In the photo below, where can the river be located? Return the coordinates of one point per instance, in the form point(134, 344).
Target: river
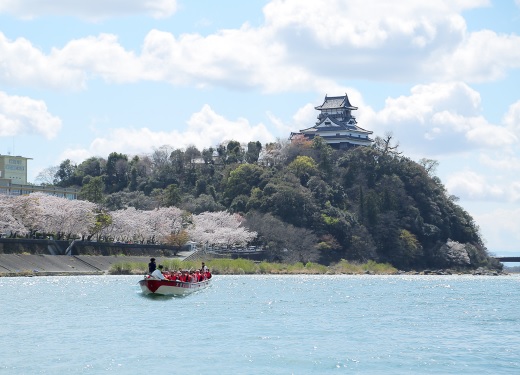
point(262, 325)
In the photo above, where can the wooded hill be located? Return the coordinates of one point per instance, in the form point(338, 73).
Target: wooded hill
point(306, 201)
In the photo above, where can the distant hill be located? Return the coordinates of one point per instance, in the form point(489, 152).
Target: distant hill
point(307, 201)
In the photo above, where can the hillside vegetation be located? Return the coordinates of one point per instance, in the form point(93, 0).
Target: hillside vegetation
point(306, 201)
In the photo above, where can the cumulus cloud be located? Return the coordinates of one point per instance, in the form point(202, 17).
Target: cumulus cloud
point(439, 117)
point(474, 186)
point(410, 40)
point(471, 185)
point(500, 227)
point(300, 46)
point(205, 128)
point(22, 115)
point(504, 161)
point(24, 65)
point(91, 10)
point(512, 118)
point(102, 56)
point(482, 56)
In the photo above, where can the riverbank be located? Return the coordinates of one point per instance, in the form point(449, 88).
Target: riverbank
point(12, 265)
point(43, 257)
point(46, 265)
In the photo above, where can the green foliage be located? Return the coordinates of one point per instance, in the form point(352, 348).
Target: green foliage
point(65, 175)
point(307, 201)
point(248, 267)
point(93, 190)
point(303, 167)
point(242, 180)
point(360, 268)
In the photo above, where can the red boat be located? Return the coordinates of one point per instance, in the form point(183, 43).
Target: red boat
point(151, 285)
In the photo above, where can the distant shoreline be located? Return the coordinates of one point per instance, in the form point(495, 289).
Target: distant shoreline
point(27, 265)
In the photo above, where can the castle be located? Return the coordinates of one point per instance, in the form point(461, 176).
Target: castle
point(336, 125)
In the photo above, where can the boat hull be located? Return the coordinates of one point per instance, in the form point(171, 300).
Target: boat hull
point(171, 288)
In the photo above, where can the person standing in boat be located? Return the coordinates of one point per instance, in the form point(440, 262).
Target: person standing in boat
point(203, 269)
point(158, 273)
point(151, 266)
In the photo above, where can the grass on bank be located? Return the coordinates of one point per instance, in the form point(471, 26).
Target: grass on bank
point(248, 267)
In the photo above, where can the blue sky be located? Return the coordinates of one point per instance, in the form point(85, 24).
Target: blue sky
point(81, 79)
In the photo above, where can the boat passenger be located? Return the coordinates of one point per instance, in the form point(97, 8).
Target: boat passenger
point(203, 268)
point(151, 266)
point(158, 273)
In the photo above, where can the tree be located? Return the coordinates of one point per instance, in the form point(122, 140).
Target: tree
point(47, 176)
point(385, 146)
point(201, 204)
point(93, 190)
point(207, 155)
point(362, 247)
point(177, 239)
point(91, 167)
point(283, 242)
point(325, 153)
point(234, 152)
point(220, 228)
point(303, 167)
point(64, 176)
point(171, 196)
point(242, 180)
point(429, 165)
point(191, 154)
point(116, 172)
point(253, 152)
point(124, 199)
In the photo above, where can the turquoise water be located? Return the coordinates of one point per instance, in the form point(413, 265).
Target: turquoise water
point(262, 325)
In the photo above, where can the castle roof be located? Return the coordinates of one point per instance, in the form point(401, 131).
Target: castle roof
point(332, 102)
point(331, 124)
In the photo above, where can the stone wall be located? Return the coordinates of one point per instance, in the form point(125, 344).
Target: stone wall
point(51, 247)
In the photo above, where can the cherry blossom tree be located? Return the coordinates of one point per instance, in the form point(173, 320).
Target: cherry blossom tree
point(165, 221)
point(63, 217)
point(9, 223)
point(71, 219)
point(220, 228)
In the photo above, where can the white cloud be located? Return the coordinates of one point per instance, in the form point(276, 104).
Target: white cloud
point(22, 115)
point(500, 227)
point(512, 117)
point(91, 9)
point(481, 57)
point(304, 117)
point(368, 23)
point(438, 118)
point(23, 64)
point(373, 39)
point(205, 129)
point(301, 46)
point(243, 58)
point(470, 185)
point(101, 56)
point(502, 161)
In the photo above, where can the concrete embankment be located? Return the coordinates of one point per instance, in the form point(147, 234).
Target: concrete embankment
point(29, 264)
point(24, 264)
point(19, 257)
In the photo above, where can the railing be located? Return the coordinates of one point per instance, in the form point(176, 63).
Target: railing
point(507, 259)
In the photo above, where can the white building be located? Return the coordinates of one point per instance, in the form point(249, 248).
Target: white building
point(13, 179)
point(336, 125)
